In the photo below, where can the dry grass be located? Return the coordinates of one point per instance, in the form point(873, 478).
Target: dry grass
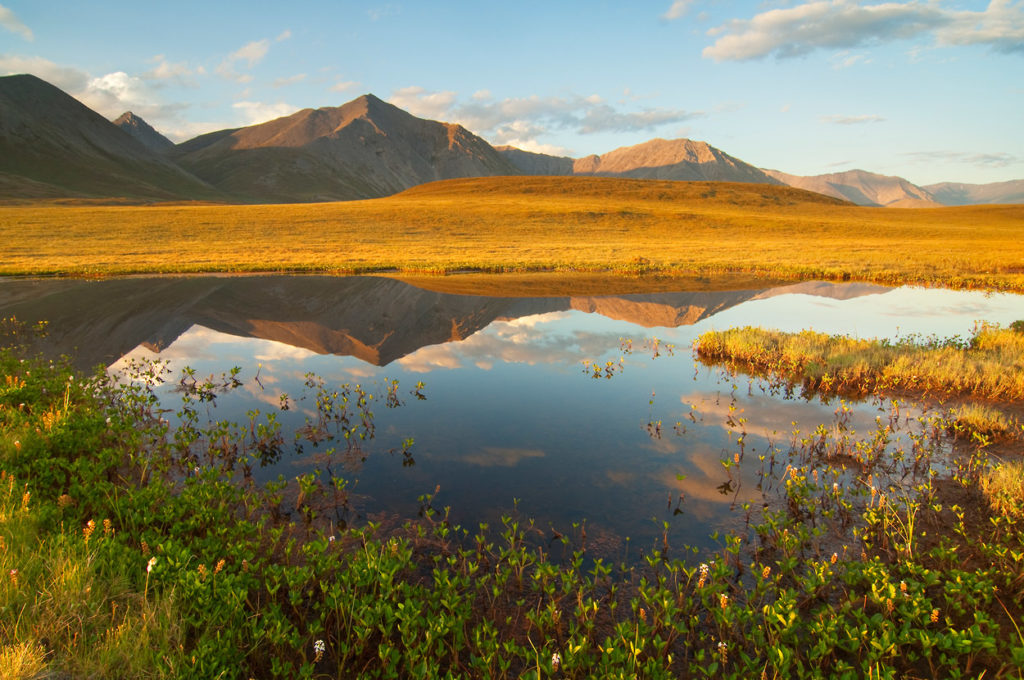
point(1003, 486)
point(991, 366)
point(528, 224)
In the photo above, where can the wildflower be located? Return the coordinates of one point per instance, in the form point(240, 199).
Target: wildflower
point(903, 587)
point(330, 539)
point(736, 458)
point(107, 527)
point(723, 600)
point(17, 444)
point(703, 575)
point(202, 571)
point(766, 572)
point(723, 651)
point(14, 577)
point(87, 531)
point(220, 565)
point(835, 556)
point(65, 500)
point(835, 488)
point(935, 616)
point(108, 420)
point(245, 565)
point(643, 614)
point(24, 499)
point(150, 565)
point(889, 605)
point(319, 647)
point(556, 661)
point(145, 548)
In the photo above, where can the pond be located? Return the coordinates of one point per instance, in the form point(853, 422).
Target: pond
point(573, 411)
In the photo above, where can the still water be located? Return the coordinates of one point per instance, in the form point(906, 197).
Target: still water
point(510, 416)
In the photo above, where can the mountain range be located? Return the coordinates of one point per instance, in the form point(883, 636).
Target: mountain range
point(52, 146)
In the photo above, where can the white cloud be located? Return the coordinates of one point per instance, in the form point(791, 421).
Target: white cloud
point(290, 80)
point(11, 22)
point(285, 34)
point(67, 78)
point(343, 85)
point(420, 102)
point(678, 9)
point(251, 54)
point(981, 160)
point(852, 120)
point(844, 59)
point(523, 121)
point(826, 24)
point(378, 13)
point(166, 70)
point(260, 112)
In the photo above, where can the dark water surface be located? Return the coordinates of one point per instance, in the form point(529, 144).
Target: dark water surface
point(513, 415)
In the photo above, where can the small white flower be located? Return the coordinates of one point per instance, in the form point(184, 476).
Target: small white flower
point(319, 647)
point(556, 661)
point(150, 564)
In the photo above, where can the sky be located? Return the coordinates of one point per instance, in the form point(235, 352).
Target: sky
point(931, 90)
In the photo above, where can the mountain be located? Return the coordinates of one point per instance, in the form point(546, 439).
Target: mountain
point(143, 131)
point(952, 193)
point(674, 159)
point(863, 188)
point(52, 146)
point(364, 149)
point(531, 163)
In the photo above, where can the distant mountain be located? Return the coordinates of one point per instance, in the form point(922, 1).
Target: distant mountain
point(863, 188)
point(675, 159)
point(952, 193)
point(364, 149)
point(52, 146)
point(143, 131)
point(532, 163)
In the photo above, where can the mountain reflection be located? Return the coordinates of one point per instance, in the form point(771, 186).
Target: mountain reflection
point(375, 319)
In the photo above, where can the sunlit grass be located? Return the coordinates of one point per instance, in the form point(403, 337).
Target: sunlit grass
point(1003, 486)
point(626, 227)
point(989, 366)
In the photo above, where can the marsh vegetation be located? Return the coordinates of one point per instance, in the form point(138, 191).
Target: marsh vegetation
point(894, 550)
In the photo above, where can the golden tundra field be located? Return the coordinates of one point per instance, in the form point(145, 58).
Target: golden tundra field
point(648, 228)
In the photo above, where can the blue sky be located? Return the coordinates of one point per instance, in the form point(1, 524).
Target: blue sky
point(931, 90)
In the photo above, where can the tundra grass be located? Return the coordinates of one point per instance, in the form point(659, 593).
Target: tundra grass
point(133, 550)
point(989, 365)
point(516, 224)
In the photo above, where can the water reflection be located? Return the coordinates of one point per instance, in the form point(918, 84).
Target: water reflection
point(511, 414)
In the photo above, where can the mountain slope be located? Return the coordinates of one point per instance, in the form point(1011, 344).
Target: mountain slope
point(953, 193)
point(364, 149)
point(143, 131)
point(862, 188)
point(51, 145)
point(674, 159)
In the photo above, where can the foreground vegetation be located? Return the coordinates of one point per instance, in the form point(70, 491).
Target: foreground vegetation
point(129, 549)
point(523, 224)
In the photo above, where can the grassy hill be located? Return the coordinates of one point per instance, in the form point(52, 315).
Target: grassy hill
point(521, 224)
